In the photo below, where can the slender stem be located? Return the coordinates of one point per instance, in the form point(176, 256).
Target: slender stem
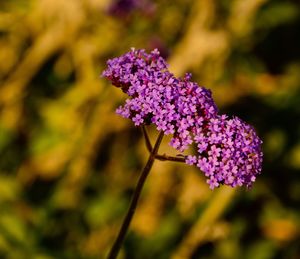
point(125, 225)
point(165, 157)
point(147, 139)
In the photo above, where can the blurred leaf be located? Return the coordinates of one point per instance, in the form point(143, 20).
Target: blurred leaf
point(276, 14)
point(9, 189)
point(102, 210)
point(261, 250)
point(12, 228)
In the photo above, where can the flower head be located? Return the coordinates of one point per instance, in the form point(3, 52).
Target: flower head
point(232, 154)
point(176, 106)
point(228, 150)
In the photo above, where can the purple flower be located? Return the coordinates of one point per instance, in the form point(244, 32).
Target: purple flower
point(175, 105)
point(228, 150)
point(232, 154)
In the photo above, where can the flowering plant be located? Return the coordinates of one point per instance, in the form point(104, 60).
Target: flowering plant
point(228, 149)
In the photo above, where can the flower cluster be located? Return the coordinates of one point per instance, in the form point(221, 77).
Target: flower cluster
point(176, 106)
point(228, 152)
point(228, 149)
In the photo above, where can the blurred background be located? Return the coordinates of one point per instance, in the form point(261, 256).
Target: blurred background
point(69, 164)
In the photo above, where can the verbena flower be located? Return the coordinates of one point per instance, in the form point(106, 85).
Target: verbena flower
point(229, 152)
point(228, 149)
point(176, 106)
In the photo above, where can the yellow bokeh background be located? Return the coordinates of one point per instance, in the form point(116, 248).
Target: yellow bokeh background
point(69, 164)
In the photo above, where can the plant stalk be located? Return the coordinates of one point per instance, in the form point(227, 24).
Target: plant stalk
point(127, 220)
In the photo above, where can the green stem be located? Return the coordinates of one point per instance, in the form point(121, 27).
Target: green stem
point(125, 225)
